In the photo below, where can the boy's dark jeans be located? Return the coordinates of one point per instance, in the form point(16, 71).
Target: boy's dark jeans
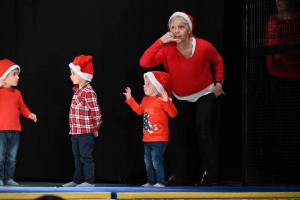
point(9, 145)
point(82, 147)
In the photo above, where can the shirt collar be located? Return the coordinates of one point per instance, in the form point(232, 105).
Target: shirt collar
point(194, 45)
point(76, 88)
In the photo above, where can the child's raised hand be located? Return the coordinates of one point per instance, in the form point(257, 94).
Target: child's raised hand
point(33, 117)
point(2, 82)
point(164, 97)
point(127, 93)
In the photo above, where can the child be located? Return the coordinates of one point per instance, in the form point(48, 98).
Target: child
point(156, 107)
point(85, 119)
point(11, 106)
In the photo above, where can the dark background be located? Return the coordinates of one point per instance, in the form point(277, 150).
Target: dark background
point(44, 36)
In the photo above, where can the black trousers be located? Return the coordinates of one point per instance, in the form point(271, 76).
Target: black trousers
point(82, 147)
point(194, 138)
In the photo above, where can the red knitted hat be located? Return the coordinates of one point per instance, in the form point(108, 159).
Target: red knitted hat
point(161, 81)
point(187, 17)
point(83, 66)
point(6, 66)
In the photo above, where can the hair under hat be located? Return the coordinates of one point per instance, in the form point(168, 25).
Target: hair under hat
point(6, 66)
point(187, 17)
point(161, 81)
point(83, 66)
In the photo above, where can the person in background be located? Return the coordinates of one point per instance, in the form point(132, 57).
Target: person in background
point(85, 119)
point(283, 28)
point(156, 107)
point(195, 88)
point(11, 106)
point(280, 107)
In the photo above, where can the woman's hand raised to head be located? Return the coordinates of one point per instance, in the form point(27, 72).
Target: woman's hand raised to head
point(168, 37)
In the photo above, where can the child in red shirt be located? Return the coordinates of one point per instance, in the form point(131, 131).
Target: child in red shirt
point(156, 107)
point(11, 106)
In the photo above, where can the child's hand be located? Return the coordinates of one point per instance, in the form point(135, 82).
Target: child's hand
point(96, 134)
point(164, 97)
point(33, 117)
point(127, 93)
point(2, 83)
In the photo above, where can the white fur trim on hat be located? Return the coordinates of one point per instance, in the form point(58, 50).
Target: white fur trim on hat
point(9, 70)
point(153, 80)
point(181, 14)
point(76, 69)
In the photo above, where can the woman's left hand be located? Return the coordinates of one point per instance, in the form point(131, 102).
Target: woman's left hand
point(218, 90)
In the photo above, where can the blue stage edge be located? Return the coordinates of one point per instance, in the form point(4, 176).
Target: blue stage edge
point(25, 191)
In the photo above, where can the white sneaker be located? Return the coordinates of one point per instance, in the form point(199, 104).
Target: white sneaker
point(147, 185)
point(85, 184)
point(71, 184)
point(158, 185)
point(11, 182)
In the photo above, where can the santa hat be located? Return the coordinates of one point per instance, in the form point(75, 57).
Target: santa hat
point(6, 66)
point(83, 66)
point(187, 17)
point(161, 81)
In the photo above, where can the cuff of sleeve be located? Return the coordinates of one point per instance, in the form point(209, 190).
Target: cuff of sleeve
point(161, 42)
point(129, 100)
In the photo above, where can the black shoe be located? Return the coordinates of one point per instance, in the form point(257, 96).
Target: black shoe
point(204, 180)
point(174, 180)
point(122, 180)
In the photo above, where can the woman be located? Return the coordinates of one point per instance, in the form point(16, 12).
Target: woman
point(280, 109)
point(283, 28)
point(195, 88)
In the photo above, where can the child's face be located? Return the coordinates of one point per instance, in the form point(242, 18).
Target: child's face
point(149, 88)
point(12, 79)
point(76, 79)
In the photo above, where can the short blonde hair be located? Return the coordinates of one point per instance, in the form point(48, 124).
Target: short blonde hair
point(178, 17)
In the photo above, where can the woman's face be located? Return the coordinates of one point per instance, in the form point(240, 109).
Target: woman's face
point(283, 5)
point(180, 29)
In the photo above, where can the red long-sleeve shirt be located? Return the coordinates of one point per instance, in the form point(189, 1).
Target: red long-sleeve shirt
point(283, 32)
point(191, 75)
point(156, 113)
point(11, 106)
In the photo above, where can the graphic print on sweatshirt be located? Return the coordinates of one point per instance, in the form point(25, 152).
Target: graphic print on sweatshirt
point(147, 125)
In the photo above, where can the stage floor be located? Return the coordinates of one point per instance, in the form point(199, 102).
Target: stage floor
point(32, 190)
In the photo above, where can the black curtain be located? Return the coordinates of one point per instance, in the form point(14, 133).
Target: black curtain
point(43, 37)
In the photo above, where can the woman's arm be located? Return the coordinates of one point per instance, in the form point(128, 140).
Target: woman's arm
point(153, 56)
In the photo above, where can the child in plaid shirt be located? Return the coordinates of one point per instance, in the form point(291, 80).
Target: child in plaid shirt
point(85, 119)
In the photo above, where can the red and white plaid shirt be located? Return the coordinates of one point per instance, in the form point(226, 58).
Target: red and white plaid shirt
point(85, 115)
